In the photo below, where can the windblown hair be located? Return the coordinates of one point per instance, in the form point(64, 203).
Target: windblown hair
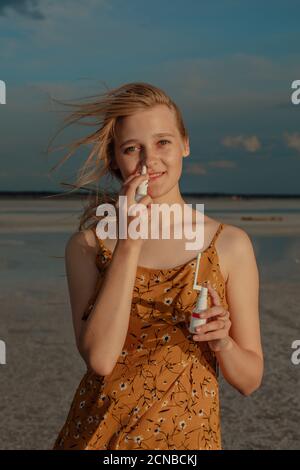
point(106, 110)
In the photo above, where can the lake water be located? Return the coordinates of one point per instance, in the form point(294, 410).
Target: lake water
point(33, 235)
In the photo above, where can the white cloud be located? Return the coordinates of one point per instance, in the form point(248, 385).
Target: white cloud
point(293, 140)
point(251, 143)
point(27, 8)
point(195, 169)
point(223, 164)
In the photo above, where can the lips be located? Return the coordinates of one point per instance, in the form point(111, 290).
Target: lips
point(156, 175)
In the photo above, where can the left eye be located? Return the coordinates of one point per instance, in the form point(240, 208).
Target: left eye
point(165, 141)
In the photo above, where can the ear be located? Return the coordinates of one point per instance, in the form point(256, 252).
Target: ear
point(186, 147)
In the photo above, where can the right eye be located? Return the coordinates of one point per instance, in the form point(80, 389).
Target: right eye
point(126, 150)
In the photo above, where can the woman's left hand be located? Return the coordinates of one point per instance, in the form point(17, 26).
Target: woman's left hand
point(216, 329)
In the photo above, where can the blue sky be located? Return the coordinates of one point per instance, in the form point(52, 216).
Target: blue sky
point(228, 64)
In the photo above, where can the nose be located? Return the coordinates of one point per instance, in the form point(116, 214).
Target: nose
point(149, 158)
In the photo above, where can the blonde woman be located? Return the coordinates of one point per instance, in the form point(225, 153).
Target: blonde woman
point(150, 383)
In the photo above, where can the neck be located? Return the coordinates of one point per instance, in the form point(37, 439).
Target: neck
point(170, 198)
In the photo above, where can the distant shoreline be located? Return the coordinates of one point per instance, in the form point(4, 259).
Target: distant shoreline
point(79, 195)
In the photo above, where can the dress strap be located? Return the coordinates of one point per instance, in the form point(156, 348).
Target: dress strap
point(216, 234)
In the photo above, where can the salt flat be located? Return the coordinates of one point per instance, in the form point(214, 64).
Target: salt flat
point(44, 368)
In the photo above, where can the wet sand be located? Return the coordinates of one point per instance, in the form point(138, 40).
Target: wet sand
point(44, 368)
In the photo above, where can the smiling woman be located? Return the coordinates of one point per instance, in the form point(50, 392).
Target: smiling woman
point(150, 383)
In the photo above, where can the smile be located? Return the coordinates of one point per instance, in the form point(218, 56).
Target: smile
point(155, 176)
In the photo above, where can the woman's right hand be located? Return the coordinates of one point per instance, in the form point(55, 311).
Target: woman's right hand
point(128, 189)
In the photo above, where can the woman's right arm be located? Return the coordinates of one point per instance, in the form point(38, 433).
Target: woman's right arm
point(100, 338)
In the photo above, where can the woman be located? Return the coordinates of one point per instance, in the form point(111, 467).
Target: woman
point(150, 383)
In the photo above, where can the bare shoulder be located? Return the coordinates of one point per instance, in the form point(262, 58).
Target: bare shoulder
point(233, 245)
point(236, 240)
point(83, 242)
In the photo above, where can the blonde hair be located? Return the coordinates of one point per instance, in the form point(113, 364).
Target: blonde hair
point(107, 110)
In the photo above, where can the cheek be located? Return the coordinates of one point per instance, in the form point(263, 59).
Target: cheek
point(173, 159)
point(175, 167)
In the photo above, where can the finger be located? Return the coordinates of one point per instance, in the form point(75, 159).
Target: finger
point(146, 200)
point(211, 326)
point(211, 312)
point(130, 177)
point(131, 188)
point(214, 294)
point(225, 314)
point(218, 334)
point(128, 180)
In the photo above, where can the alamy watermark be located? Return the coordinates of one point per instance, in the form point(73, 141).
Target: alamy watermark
point(295, 96)
point(183, 220)
point(2, 343)
point(2, 352)
point(2, 92)
point(295, 357)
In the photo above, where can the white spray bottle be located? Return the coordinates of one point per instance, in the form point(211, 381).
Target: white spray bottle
point(201, 303)
point(142, 188)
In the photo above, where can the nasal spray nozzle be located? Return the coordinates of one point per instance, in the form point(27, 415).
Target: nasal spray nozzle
point(142, 188)
point(201, 303)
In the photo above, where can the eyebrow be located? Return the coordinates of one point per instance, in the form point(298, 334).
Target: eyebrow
point(159, 134)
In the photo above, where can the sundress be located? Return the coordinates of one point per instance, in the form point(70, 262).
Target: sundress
point(162, 393)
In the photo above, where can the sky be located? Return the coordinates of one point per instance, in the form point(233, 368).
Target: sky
point(228, 65)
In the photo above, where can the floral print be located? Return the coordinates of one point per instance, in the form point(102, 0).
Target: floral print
point(163, 391)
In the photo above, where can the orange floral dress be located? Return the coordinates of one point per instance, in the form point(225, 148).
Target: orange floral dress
point(163, 391)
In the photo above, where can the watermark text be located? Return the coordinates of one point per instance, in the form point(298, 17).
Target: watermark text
point(160, 220)
point(2, 92)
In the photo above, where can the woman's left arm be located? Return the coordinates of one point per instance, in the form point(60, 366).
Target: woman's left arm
point(237, 346)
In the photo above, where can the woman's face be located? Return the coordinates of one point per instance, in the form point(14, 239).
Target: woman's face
point(151, 137)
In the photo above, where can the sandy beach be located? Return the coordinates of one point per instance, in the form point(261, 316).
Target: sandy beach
point(44, 368)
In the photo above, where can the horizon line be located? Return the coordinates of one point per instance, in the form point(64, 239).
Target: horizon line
point(194, 194)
